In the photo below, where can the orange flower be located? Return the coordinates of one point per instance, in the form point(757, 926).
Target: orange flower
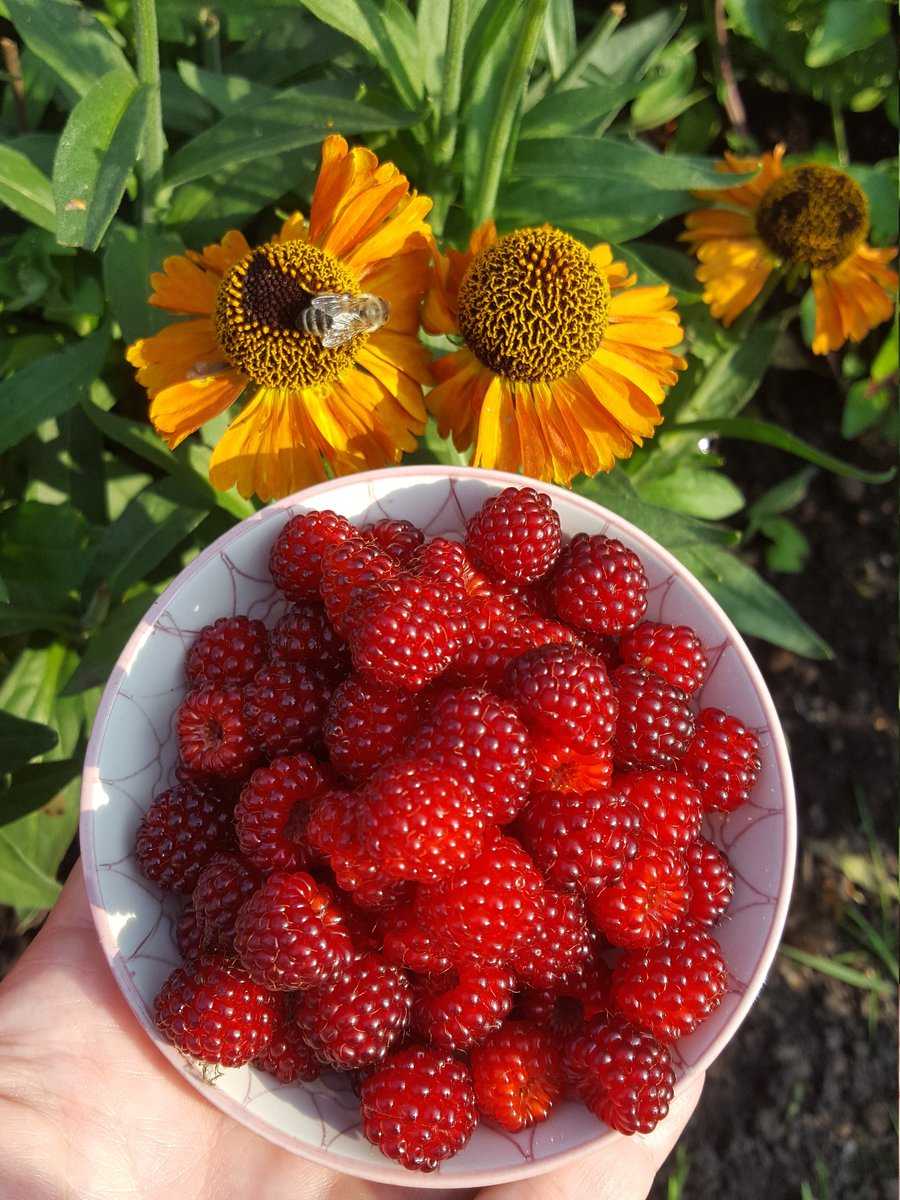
point(337, 383)
point(811, 219)
point(564, 361)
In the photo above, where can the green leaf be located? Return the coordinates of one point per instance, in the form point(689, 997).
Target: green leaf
point(21, 741)
point(23, 883)
point(130, 255)
point(848, 25)
point(97, 149)
point(766, 434)
point(387, 31)
point(868, 400)
point(880, 185)
point(781, 498)
point(559, 37)
point(42, 553)
point(26, 189)
point(297, 116)
point(39, 83)
point(673, 530)
point(837, 970)
point(35, 786)
point(668, 95)
point(69, 38)
point(183, 110)
point(695, 491)
point(49, 386)
point(15, 618)
point(788, 549)
point(432, 18)
point(107, 643)
point(635, 46)
point(661, 264)
point(561, 114)
point(226, 93)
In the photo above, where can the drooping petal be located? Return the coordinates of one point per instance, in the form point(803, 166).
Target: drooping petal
point(853, 297)
point(182, 408)
point(734, 272)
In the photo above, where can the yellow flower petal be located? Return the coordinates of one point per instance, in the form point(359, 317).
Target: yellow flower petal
point(853, 297)
point(182, 408)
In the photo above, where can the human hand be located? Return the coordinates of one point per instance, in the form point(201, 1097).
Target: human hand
point(89, 1111)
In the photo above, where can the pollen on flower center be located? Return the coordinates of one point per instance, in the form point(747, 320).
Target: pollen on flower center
point(258, 308)
point(533, 306)
point(813, 214)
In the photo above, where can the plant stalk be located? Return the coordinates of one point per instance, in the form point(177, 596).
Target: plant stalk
point(510, 100)
point(840, 133)
point(731, 96)
point(601, 33)
point(150, 164)
point(451, 89)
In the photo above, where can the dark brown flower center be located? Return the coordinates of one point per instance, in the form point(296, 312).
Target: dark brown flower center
point(813, 215)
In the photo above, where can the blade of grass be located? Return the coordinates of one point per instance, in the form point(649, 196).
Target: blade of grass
point(873, 941)
point(826, 966)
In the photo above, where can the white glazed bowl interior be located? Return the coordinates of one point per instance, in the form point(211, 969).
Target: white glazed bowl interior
point(132, 755)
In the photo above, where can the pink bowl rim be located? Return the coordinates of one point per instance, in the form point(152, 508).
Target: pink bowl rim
point(329, 1159)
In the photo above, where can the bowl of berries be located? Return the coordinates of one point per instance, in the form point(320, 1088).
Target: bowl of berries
point(438, 826)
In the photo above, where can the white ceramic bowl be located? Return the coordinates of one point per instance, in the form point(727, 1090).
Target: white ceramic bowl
point(132, 754)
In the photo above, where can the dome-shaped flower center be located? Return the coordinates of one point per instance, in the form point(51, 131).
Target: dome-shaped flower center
point(533, 306)
point(814, 215)
point(258, 313)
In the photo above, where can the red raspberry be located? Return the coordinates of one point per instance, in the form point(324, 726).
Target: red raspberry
point(213, 737)
point(673, 652)
point(305, 635)
point(561, 1016)
point(212, 1011)
point(284, 707)
point(590, 986)
point(362, 925)
point(723, 760)
point(670, 989)
point(607, 648)
point(655, 724)
point(623, 1074)
point(459, 1009)
point(600, 585)
point(489, 908)
point(287, 1055)
point(296, 558)
point(269, 816)
point(447, 562)
point(188, 934)
point(559, 944)
point(711, 881)
point(495, 637)
point(418, 820)
point(580, 841)
point(559, 767)
point(400, 539)
point(515, 536)
point(332, 831)
point(669, 805)
point(349, 570)
point(484, 739)
point(222, 887)
point(517, 1075)
point(647, 900)
point(290, 935)
point(410, 945)
point(230, 651)
point(409, 633)
point(563, 692)
point(178, 835)
point(358, 1017)
point(366, 724)
point(419, 1107)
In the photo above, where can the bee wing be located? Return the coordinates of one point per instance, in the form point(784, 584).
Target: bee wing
point(344, 326)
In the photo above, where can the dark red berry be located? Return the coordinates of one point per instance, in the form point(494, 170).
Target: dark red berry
point(517, 1074)
point(222, 887)
point(655, 725)
point(188, 934)
point(401, 539)
point(515, 536)
point(269, 817)
point(367, 724)
point(213, 736)
point(563, 692)
point(284, 706)
point(723, 760)
point(296, 558)
point(349, 571)
point(711, 881)
point(673, 652)
point(287, 1055)
point(178, 835)
point(304, 635)
point(669, 804)
point(600, 585)
point(409, 944)
point(648, 899)
point(459, 1009)
point(333, 832)
point(559, 944)
point(230, 651)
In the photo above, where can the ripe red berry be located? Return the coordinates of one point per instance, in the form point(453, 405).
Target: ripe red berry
point(287, 1055)
point(359, 1016)
point(654, 725)
point(222, 887)
point(188, 934)
point(669, 804)
point(213, 737)
point(622, 1073)
point(349, 571)
point(559, 944)
point(559, 767)
point(580, 841)
point(290, 935)
point(448, 562)
point(408, 944)
point(561, 1016)
point(211, 1010)
point(178, 835)
point(670, 989)
point(673, 652)
point(496, 634)
point(459, 1009)
point(367, 724)
point(296, 557)
point(600, 585)
point(283, 708)
point(332, 832)
point(563, 692)
point(230, 651)
point(489, 908)
point(419, 820)
point(401, 539)
point(304, 635)
point(269, 817)
point(723, 760)
point(517, 1075)
point(515, 536)
point(711, 881)
point(483, 739)
point(647, 900)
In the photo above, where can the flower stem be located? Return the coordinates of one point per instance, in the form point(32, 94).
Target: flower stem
point(150, 164)
point(210, 31)
point(602, 31)
point(731, 96)
point(840, 133)
point(500, 136)
point(451, 89)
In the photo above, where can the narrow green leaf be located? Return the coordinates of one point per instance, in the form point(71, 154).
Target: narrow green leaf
point(49, 386)
point(617, 211)
point(21, 741)
point(562, 114)
point(559, 37)
point(661, 264)
point(26, 189)
point(129, 256)
point(673, 530)
point(837, 970)
point(19, 618)
point(636, 45)
point(42, 552)
point(432, 17)
point(788, 548)
point(226, 93)
point(849, 25)
point(106, 644)
point(34, 786)
point(69, 38)
point(781, 498)
point(23, 883)
point(97, 149)
point(707, 494)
